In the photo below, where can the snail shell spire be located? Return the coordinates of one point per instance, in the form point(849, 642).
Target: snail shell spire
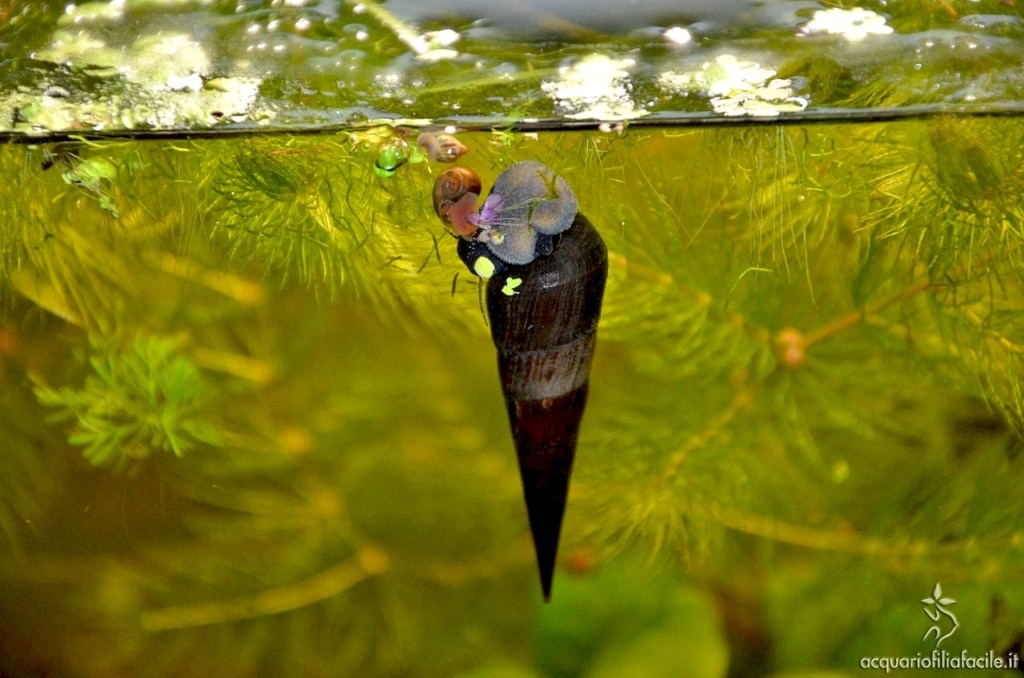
point(546, 267)
point(545, 334)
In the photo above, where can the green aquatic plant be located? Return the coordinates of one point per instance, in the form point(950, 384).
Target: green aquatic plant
point(84, 265)
point(302, 209)
point(809, 362)
point(275, 207)
point(93, 176)
point(143, 399)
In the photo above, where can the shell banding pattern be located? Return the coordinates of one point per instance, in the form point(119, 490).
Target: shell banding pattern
point(547, 267)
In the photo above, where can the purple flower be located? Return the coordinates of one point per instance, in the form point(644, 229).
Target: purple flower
point(490, 213)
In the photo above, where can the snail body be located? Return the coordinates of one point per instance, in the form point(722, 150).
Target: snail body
point(455, 195)
point(545, 284)
point(441, 147)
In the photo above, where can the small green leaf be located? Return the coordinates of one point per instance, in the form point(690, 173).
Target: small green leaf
point(510, 286)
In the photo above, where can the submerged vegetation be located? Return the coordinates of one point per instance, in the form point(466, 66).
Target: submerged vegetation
point(250, 407)
point(140, 399)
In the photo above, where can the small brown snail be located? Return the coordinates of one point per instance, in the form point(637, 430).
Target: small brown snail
point(455, 194)
point(546, 267)
point(441, 147)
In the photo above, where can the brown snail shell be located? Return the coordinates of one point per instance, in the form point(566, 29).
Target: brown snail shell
point(456, 191)
point(543, 318)
point(441, 147)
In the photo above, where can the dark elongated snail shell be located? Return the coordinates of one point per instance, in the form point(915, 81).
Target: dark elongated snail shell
point(544, 292)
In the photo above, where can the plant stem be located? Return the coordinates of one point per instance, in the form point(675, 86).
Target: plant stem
point(856, 317)
point(317, 588)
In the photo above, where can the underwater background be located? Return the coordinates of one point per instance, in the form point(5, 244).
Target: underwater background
point(251, 422)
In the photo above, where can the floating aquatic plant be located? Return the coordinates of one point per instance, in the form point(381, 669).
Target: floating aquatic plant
point(737, 87)
point(853, 24)
point(596, 87)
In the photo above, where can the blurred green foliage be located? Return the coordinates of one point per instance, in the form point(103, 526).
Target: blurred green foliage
point(140, 398)
point(806, 409)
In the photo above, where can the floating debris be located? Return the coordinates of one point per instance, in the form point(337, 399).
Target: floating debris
point(737, 87)
point(596, 87)
point(853, 24)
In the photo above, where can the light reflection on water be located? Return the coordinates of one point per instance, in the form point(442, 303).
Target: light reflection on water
point(347, 63)
point(568, 18)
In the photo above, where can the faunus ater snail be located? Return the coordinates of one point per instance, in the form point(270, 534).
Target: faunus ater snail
point(546, 267)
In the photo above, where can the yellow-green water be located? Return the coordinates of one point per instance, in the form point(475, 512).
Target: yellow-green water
point(252, 422)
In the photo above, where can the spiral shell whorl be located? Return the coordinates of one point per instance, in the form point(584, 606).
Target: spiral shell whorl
point(558, 303)
point(451, 203)
point(545, 333)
